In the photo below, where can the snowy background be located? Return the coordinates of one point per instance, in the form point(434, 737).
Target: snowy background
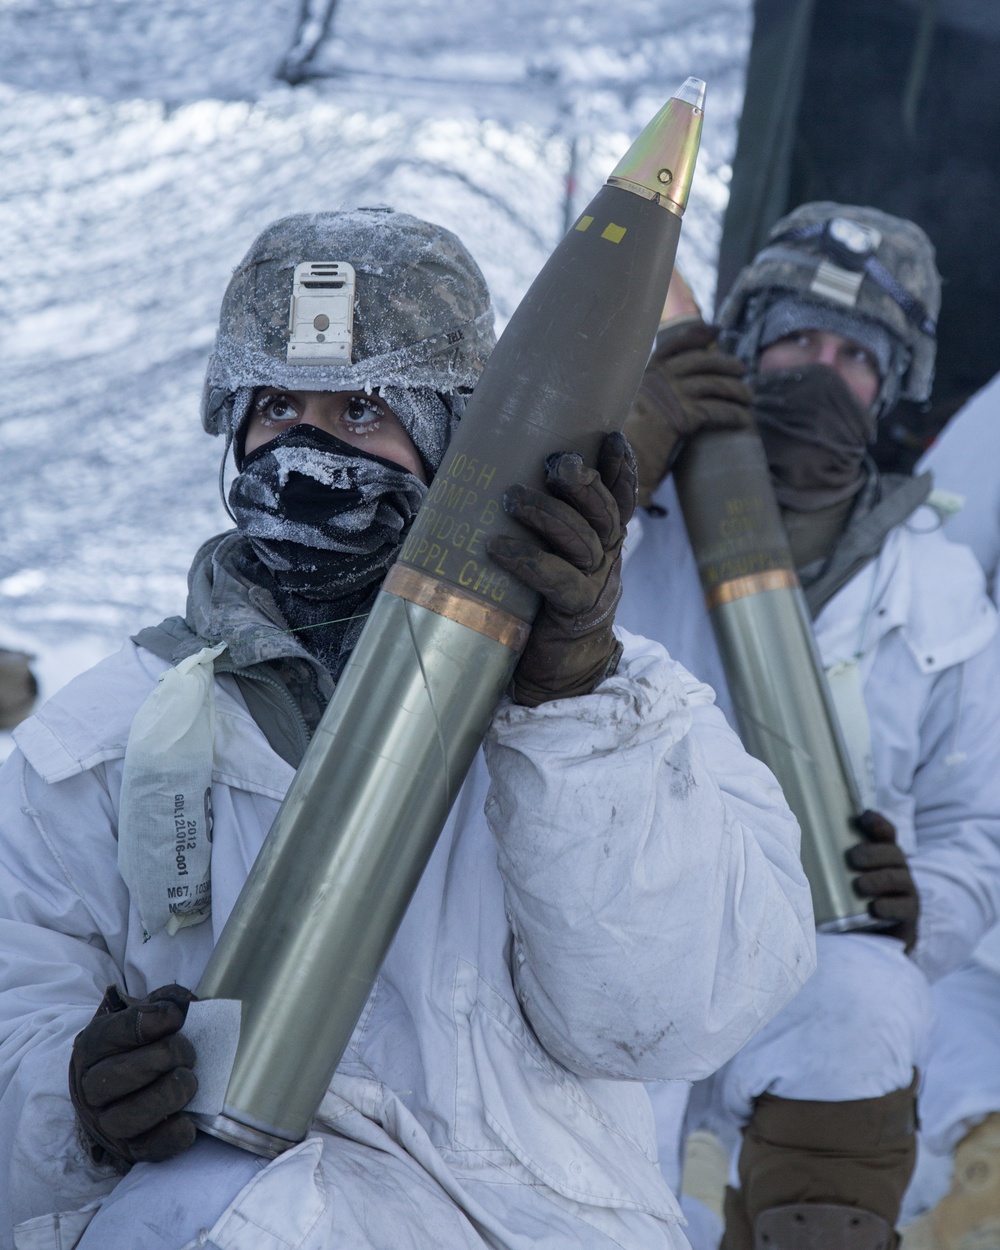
point(144, 143)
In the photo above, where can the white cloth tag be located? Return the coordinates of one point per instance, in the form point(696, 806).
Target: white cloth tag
point(165, 816)
point(844, 681)
point(212, 1026)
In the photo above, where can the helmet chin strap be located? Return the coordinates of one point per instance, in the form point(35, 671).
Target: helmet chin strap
point(888, 392)
point(222, 475)
point(240, 402)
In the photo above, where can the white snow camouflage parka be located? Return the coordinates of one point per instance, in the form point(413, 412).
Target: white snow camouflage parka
point(616, 897)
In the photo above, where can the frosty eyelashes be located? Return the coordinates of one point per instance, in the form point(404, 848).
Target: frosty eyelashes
point(267, 408)
point(360, 414)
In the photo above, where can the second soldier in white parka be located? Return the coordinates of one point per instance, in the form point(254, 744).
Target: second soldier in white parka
point(835, 320)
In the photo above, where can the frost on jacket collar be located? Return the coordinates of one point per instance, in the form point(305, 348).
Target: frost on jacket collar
point(226, 605)
point(285, 687)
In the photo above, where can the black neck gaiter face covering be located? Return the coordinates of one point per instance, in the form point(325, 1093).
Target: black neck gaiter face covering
point(815, 433)
point(326, 521)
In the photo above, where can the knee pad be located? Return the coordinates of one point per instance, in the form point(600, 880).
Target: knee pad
point(821, 1226)
point(856, 1155)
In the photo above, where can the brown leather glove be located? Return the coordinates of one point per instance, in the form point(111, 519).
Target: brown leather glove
point(689, 385)
point(130, 1077)
point(885, 878)
point(581, 517)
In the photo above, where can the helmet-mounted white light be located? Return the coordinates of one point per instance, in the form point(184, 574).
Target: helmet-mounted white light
point(849, 246)
point(851, 243)
point(321, 313)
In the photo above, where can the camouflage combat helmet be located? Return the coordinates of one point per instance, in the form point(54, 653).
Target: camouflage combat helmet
point(421, 315)
point(863, 264)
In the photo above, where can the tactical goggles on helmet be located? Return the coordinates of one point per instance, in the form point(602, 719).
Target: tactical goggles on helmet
point(852, 248)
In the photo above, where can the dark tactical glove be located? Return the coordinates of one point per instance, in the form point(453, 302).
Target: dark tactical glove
point(689, 385)
point(581, 518)
point(884, 878)
point(130, 1077)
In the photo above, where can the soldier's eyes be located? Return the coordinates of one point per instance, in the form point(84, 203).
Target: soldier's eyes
point(276, 409)
point(361, 414)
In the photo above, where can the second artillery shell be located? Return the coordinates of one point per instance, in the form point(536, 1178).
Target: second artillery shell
point(773, 671)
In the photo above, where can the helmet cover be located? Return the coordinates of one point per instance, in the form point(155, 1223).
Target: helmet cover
point(422, 319)
point(868, 266)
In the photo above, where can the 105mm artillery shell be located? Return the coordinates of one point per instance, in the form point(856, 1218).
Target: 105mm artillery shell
point(321, 905)
point(779, 692)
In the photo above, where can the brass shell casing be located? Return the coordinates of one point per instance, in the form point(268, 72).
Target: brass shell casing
point(457, 605)
point(754, 584)
point(328, 889)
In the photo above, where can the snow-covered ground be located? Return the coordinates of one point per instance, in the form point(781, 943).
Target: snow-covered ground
point(143, 144)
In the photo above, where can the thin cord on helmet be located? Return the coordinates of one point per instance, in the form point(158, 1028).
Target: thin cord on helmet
point(222, 475)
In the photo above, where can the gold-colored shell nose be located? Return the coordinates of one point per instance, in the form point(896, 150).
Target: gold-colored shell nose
point(660, 164)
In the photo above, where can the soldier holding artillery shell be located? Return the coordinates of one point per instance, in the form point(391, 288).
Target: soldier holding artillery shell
point(616, 895)
point(833, 321)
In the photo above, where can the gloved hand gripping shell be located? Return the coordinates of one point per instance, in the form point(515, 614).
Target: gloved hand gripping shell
point(885, 878)
point(130, 1077)
point(689, 385)
point(581, 516)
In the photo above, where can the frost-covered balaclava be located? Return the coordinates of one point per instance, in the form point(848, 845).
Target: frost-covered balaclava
point(323, 518)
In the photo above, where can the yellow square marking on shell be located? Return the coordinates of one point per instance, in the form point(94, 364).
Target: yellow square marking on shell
point(613, 233)
point(584, 222)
